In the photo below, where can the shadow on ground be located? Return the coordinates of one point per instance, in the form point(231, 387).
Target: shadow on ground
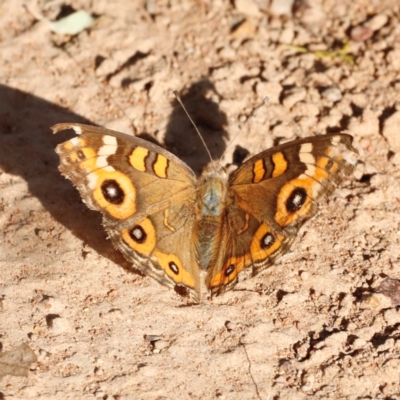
point(27, 150)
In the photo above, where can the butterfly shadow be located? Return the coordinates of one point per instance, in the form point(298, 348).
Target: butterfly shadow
point(181, 137)
point(27, 150)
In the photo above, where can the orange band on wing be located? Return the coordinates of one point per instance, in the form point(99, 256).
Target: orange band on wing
point(138, 158)
point(280, 164)
point(258, 171)
point(160, 166)
point(173, 267)
point(230, 271)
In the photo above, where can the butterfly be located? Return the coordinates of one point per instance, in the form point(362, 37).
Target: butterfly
point(200, 233)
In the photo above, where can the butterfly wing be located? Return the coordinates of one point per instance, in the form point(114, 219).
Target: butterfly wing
point(146, 196)
point(271, 195)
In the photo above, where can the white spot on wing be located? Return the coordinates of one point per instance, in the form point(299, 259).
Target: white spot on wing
point(307, 158)
point(77, 129)
point(110, 140)
point(303, 176)
point(350, 157)
point(306, 148)
point(110, 146)
point(101, 162)
point(335, 140)
point(75, 141)
point(92, 181)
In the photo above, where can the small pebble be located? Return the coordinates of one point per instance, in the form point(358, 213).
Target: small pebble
point(244, 29)
point(391, 131)
point(248, 7)
point(377, 302)
point(43, 353)
point(294, 96)
point(152, 338)
point(332, 94)
point(305, 275)
point(230, 325)
point(281, 7)
point(377, 22)
point(160, 345)
point(359, 343)
point(361, 33)
point(58, 325)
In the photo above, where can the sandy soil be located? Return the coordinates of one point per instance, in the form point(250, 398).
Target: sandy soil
point(312, 325)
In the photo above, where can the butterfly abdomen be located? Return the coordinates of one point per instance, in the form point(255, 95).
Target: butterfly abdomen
point(207, 241)
point(210, 208)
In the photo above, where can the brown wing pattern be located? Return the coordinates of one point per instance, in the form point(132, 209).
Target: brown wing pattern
point(271, 196)
point(145, 194)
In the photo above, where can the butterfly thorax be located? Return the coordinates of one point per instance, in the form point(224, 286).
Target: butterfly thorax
point(212, 188)
point(210, 206)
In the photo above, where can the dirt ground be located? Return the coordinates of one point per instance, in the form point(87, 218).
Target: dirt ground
point(312, 325)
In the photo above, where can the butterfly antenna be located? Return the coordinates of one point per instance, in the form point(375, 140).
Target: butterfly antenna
point(252, 115)
point(190, 119)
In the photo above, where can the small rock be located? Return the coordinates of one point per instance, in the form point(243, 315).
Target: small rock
point(391, 131)
point(248, 7)
point(244, 29)
point(294, 299)
point(43, 353)
point(152, 338)
point(308, 380)
point(377, 302)
point(294, 96)
point(58, 325)
point(304, 108)
point(359, 343)
point(160, 345)
point(304, 275)
point(287, 35)
point(392, 317)
point(283, 131)
point(281, 7)
point(377, 22)
point(361, 33)
point(312, 14)
point(271, 89)
point(328, 389)
point(228, 53)
point(53, 305)
point(359, 99)
point(393, 57)
point(396, 159)
point(230, 326)
point(115, 313)
point(151, 6)
point(390, 288)
point(332, 94)
point(99, 371)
